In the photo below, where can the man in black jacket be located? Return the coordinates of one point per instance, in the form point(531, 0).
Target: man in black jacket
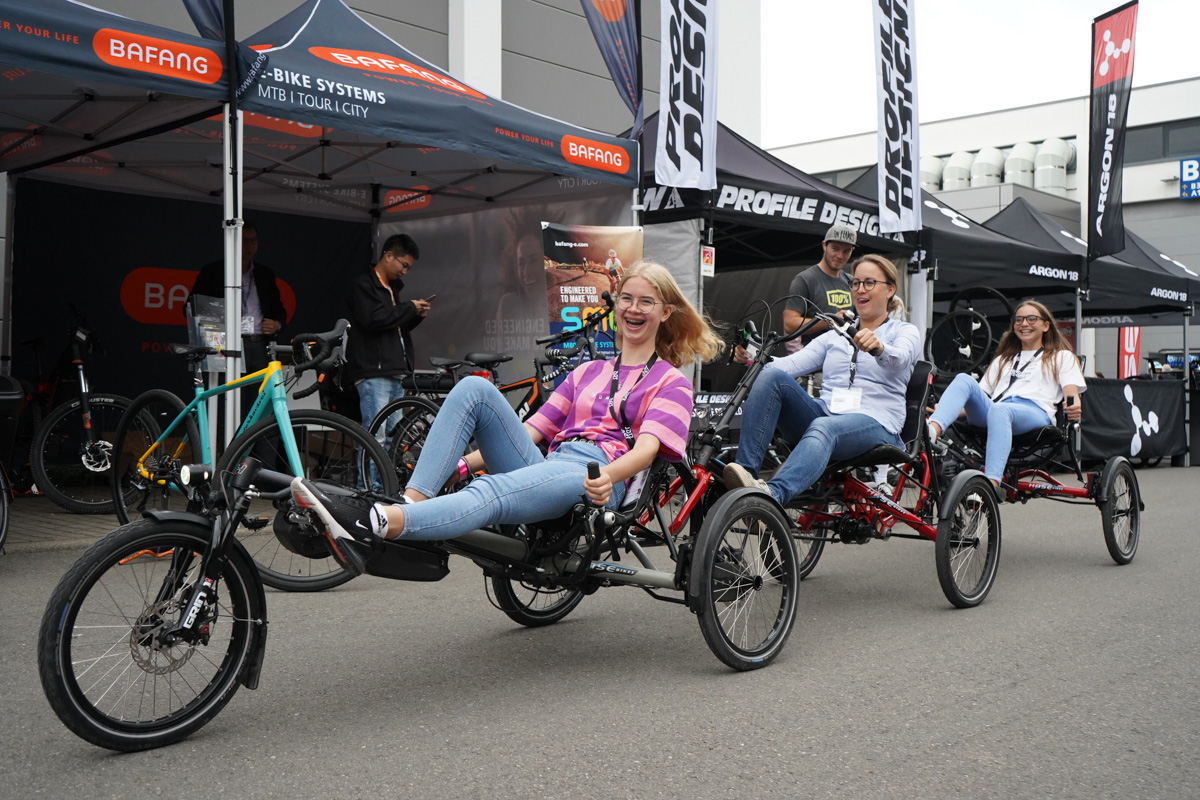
point(263, 313)
point(380, 351)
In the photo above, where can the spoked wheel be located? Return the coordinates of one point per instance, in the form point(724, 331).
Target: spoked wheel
point(72, 457)
point(107, 666)
point(989, 302)
point(533, 606)
point(961, 341)
point(406, 423)
point(1121, 511)
point(809, 543)
point(332, 449)
point(746, 570)
point(140, 427)
point(967, 549)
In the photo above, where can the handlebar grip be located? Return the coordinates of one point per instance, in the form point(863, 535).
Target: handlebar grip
point(593, 470)
point(547, 339)
point(306, 391)
point(608, 300)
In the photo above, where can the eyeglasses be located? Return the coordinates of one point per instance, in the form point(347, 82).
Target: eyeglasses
point(1031, 319)
point(644, 304)
point(868, 283)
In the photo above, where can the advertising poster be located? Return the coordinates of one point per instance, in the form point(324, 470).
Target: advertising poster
point(581, 263)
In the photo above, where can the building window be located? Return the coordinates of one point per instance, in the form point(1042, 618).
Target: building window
point(1183, 138)
point(1162, 142)
point(1143, 145)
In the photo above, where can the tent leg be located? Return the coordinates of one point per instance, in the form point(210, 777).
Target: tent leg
point(1187, 459)
point(233, 266)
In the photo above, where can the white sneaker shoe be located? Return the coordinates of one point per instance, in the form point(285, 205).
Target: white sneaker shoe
point(736, 477)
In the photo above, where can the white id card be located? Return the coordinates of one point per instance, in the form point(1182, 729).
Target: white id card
point(844, 400)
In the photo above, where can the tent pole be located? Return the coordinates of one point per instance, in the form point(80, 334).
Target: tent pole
point(6, 284)
point(1187, 385)
point(232, 200)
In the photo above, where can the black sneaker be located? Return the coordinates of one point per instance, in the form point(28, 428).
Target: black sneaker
point(348, 522)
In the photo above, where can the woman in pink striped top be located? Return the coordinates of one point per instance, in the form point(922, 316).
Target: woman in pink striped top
point(622, 421)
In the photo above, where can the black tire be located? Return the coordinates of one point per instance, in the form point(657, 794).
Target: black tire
point(329, 448)
point(531, 606)
point(748, 581)
point(143, 423)
point(142, 696)
point(74, 474)
point(1121, 511)
point(990, 303)
point(967, 549)
point(808, 549)
point(407, 422)
point(961, 341)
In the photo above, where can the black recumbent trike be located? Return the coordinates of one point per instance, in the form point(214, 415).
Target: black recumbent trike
point(153, 630)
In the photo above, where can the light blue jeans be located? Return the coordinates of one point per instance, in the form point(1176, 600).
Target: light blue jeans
point(816, 436)
point(1010, 416)
point(373, 395)
point(522, 485)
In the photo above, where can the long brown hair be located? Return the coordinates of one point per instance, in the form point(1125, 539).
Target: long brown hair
point(1053, 341)
point(685, 335)
point(889, 271)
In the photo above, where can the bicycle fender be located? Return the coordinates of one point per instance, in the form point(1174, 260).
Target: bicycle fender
point(159, 515)
point(693, 588)
point(954, 488)
point(1109, 467)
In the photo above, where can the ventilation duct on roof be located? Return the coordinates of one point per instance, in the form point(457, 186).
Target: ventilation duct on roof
point(931, 173)
point(1050, 166)
point(987, 167)
point(1018, 167)
point(957, 174)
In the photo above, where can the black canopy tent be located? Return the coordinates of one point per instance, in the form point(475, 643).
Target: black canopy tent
point(1156, 290)
point(964, 254)
point(764, 212)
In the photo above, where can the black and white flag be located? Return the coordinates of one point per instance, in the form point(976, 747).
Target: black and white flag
point(899, 136)
point(687, 116)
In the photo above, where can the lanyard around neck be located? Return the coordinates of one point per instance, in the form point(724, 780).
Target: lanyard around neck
point(622, 420)
point(1016, 373)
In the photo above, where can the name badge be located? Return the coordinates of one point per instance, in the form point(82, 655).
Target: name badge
point(845, 400)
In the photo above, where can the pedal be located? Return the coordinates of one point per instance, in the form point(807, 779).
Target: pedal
point(256, 523)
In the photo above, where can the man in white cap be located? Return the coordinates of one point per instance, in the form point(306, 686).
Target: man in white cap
point(824, 284)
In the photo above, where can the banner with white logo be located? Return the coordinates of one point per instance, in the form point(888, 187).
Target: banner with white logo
point(899, 135)
point(1129, 354)
point(687, 118)
point(1112, 80)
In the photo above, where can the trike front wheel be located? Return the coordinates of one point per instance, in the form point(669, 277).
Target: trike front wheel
point(534, 606)
point(109, 670)
point(1121, 510)
point(967, 549)
point(748, 575)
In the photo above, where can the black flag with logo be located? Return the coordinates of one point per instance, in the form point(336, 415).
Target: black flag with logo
point(1112, 80)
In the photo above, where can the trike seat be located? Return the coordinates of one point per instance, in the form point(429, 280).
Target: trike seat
point(916, 396)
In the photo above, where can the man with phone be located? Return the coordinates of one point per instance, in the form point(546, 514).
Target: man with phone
point(380, 349)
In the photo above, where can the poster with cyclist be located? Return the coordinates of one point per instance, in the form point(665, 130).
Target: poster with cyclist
point(582, 262)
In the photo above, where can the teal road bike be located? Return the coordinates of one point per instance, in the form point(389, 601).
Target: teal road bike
point(158, 436)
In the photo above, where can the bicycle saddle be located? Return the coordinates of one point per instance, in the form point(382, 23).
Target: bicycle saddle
point(445, 363)
point(486, 360)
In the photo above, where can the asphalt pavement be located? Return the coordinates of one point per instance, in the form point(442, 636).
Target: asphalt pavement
point(1076, 678)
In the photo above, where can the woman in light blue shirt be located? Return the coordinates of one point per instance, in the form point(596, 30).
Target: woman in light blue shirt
point(862, 392)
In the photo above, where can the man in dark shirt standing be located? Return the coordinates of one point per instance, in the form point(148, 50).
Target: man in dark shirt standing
point(263, 313)
point(824, 284)
point(380, 350)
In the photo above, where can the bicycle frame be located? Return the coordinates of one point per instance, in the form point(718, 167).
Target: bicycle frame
point(271, 394)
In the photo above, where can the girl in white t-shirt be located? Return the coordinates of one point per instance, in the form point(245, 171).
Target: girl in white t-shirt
point(1033, 370)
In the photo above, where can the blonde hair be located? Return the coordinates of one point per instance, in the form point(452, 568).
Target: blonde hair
point(685, 335)
point(889, 272)
point(1053, 342)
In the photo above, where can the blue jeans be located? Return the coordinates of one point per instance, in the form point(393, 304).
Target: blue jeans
point(373, 395)
point(816, 436)
point(522, 484)
point(1003, 419)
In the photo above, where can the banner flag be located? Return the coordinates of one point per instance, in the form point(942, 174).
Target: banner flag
point(1112, 80)
point(614, 25)
point(1130, 356)
point(582, 262)
point(687, 120)
point(209, 18)
point(899, 129)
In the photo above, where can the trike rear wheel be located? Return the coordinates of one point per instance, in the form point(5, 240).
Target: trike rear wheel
point(1121, 511)
point(534, 606)
point(748, 581)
